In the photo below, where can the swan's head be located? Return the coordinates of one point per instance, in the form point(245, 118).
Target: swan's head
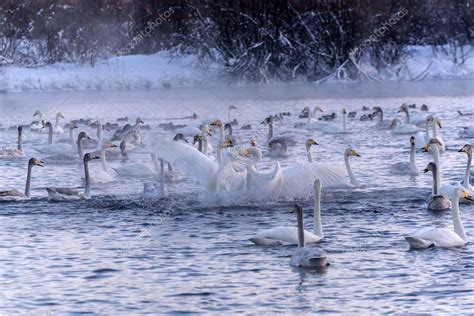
point(310, 142)
point(430, 167)
point(297, 209)
point(317, 185)
point(227, 143)
point(123, 147)
point(305, 109)
point(47, 124)
point(351, 153)
point(206, 129)
point(37, 113)
point(437, 121)
point(59, 115)
point(267, 121)
point(217, 123)
point(180, 137)
point(90, 156)
point(36, 162)
point(466, 149)
point(227, 126)
point(424, 107)
point(403, 108)
point(95, 124)
point(73, 125)
point(412, 140)
point(395, 122)
point(344, 111)
point(20, 129)
point(253, 142)
point(108, 144)
point(232, 107)
point(197, 138)
point(139, 121)
point(462, 193)
point(317, 108)
point(83, 135)
point(432, 141)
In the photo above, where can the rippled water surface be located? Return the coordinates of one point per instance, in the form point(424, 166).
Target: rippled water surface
point(121, 253)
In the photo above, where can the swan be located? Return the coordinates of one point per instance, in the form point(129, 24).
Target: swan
point(353, 182)
point(277, 148)
point(269, 121)
point(411, 118)
point(14, 152)
point(103, 175)
point(229, 120)
point(138, 169)
point(15, 195)
point(381, 123)
point(58, 129)
point(113, 152)
point(289, 235)
point(408, 168)
point(435, 124)
point(423, 137)
point(134, 136)
point(336, 129)
point(218, 123)
point(306, 257)
point(437, 201)
point(69, 157)
point(262, 185)
point(443, 237)
point(36, 126)
point(56, 148)
point(157, 189)
point(313, 123)
point(466, 183)
point(298, 179)
point(71, 194)
point(402, 129)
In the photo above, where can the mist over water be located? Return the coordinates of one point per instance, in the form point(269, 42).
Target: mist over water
point(123, 253)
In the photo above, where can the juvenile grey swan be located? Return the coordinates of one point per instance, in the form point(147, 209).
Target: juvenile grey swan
point(15, 195)
point(14, 152)
point(72, 194)
point(437, 201)
point(306, 257)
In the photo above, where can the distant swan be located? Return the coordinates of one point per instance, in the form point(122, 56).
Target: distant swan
point(409, 168)
point(56, 148)
point(336, 129)
point(36, 126)
point(58, 129)
point(442, 237)
point(306, 257)
point(289, 235)
point(401, 129)
point(15, 195)
point(71, 194)
point(14, 152)
point(437, 201)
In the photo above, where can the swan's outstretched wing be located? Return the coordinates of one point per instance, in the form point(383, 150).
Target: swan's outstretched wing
point(265, 185)
point(188, 159)
point(228, 181)
point(299, 179)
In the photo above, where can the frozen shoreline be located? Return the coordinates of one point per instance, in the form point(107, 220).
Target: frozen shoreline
point(159, 71)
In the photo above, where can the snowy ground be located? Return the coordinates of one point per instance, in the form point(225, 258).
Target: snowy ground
point(155, 71)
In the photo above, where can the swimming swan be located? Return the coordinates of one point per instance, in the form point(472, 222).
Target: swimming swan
point(15, 195)
point(408, 168)
point(289, 235)
point(336, 129)
point(306, 257)
point(442, 237)
point(437, 201)
point(402, 129)
point(14, 152)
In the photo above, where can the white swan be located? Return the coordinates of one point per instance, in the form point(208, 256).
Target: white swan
point(437, 123)
point(70, 157)
point(336, 129)
point(269, 122)
point(423, 137)
point(298, 179)
point(138, 169)
point(154, 188)
point(71, 194)
point(442, 237)
point(353, 182)
point(306, 257)
point(103, 174)
point(15, 195)
point(313, 123)
point(56, 148)
point(36, 126)
point(289, 235)
point(14, 152)
point(58, 129)
point(466, 183)
point(415, 119)
point(403, 129)
point(467, 132)
point(229, 120)
point(262, 185)
point(408, 168)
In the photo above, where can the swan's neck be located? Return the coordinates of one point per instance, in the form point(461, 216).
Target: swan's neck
point(87, 190)
point(200, 145)
point(413, 156)
point(299, 217)
point(71, 139)
point(354, 181)
point(204, 145)
point(28, 180)
point(427, 133)
point(50, 134)
point(228, 115)
point(99, 136)
point(318, 227)
point(310, 154)
point(436, 183)
point(170, 167)
point(310, 116)
point(435, 150)
point(344, 123)
point(103, 160)
point(221, 142)
point(230, 129)
point(435, 129)
point(57, 121)
point(407, 118)
point(270, 131)
point(20, 141)
point(162, 177)
point(457, 223)
point(380, 116)
point(467, 176)
point(79, 148)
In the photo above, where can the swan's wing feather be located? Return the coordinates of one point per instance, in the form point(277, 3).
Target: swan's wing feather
point(190, 160)
point(266, 185)
point(442, 237)
point(284, 234)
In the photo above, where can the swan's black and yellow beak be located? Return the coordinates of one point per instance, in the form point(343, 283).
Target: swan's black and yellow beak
point(426, 148)
point(468, 197)
point(40, 163)
point(356, 154)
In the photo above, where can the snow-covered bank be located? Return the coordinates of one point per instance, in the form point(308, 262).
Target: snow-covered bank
point(159, 70)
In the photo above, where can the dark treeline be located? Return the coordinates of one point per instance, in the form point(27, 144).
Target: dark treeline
point(253, 40)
